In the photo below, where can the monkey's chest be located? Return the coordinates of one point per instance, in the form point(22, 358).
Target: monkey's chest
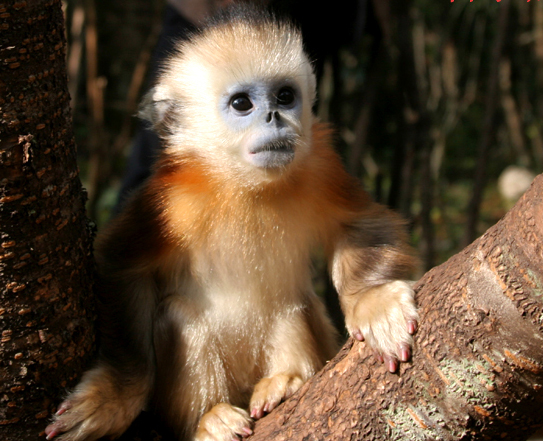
point(252, 266)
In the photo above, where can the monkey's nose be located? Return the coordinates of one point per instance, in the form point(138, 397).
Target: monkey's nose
point(273, 115)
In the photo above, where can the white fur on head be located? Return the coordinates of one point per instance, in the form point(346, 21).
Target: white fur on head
point(240, 46)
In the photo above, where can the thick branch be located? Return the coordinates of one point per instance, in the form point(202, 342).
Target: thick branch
point(477, 369)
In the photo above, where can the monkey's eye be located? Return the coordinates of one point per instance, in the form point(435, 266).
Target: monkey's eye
point(285, 96)
point(241, 102)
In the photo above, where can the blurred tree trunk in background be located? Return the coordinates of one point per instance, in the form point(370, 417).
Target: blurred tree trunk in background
point(414, 138)
point(488, 130)
point(109, 72)
point(46, 327)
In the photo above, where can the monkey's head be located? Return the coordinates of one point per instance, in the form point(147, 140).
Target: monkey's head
point(238, 94)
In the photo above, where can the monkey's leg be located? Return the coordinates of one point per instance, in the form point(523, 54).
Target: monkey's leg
point(192, 389)
point(104, 403)
point(301, 342)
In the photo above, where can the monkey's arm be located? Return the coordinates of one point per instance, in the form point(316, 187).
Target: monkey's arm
point(370, 265)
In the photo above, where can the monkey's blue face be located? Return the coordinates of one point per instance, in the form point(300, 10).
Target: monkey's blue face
point(268, 113)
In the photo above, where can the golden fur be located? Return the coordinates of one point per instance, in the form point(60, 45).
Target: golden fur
point(206, 303)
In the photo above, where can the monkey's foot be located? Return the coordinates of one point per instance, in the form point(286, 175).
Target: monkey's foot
point(79, 419)
point(386, 317)
point(224, 422)
point(269, 392)
point(96, 409)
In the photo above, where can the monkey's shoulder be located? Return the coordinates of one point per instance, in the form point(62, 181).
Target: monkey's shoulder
point(139, 232)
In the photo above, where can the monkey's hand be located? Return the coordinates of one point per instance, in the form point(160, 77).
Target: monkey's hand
point(385, 317)
point(224, 422)
point(98, 407)
point(269, 392)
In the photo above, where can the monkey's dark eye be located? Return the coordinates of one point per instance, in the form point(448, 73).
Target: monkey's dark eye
point(285, 96)
point(241, 102)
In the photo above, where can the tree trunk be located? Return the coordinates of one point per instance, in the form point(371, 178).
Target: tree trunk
point(477, 370)
point(45, 247)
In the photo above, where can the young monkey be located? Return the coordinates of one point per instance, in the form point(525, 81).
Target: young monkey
point(206, 303)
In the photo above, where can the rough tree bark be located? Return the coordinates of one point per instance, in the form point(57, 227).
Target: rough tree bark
point(477, 370)
point(46, 333)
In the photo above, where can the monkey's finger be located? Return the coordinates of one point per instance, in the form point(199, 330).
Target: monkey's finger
point(66, 405)
point(358, 335)
point(57, 427)
point(270, 391)
point(51, 431)
point(391, 363)
point(257, 412)
point(405, 352)
point(379, 356)
point(412, 326)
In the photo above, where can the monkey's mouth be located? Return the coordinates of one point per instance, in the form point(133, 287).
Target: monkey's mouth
point(274, 154)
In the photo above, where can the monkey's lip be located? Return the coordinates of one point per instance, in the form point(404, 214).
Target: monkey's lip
point(275, 154)
point(285, 145)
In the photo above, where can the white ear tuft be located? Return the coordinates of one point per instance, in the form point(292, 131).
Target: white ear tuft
point(156, 105)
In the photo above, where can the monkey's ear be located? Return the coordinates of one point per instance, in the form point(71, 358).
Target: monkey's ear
point(156, 106)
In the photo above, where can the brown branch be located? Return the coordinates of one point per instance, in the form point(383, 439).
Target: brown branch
point(46, 319)
point(477, 369)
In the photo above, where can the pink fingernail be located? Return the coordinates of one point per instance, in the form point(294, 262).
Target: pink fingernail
point(51, 434)
point(257, 413)
point(392, 366)
point(63, 408)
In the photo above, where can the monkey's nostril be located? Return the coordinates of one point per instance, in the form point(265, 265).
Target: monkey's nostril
point(273, 115)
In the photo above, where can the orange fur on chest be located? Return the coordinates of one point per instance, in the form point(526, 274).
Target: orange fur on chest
point(318, 195)
point(186, 207)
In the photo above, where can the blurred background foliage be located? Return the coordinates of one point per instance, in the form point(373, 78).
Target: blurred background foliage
point(433, 101)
